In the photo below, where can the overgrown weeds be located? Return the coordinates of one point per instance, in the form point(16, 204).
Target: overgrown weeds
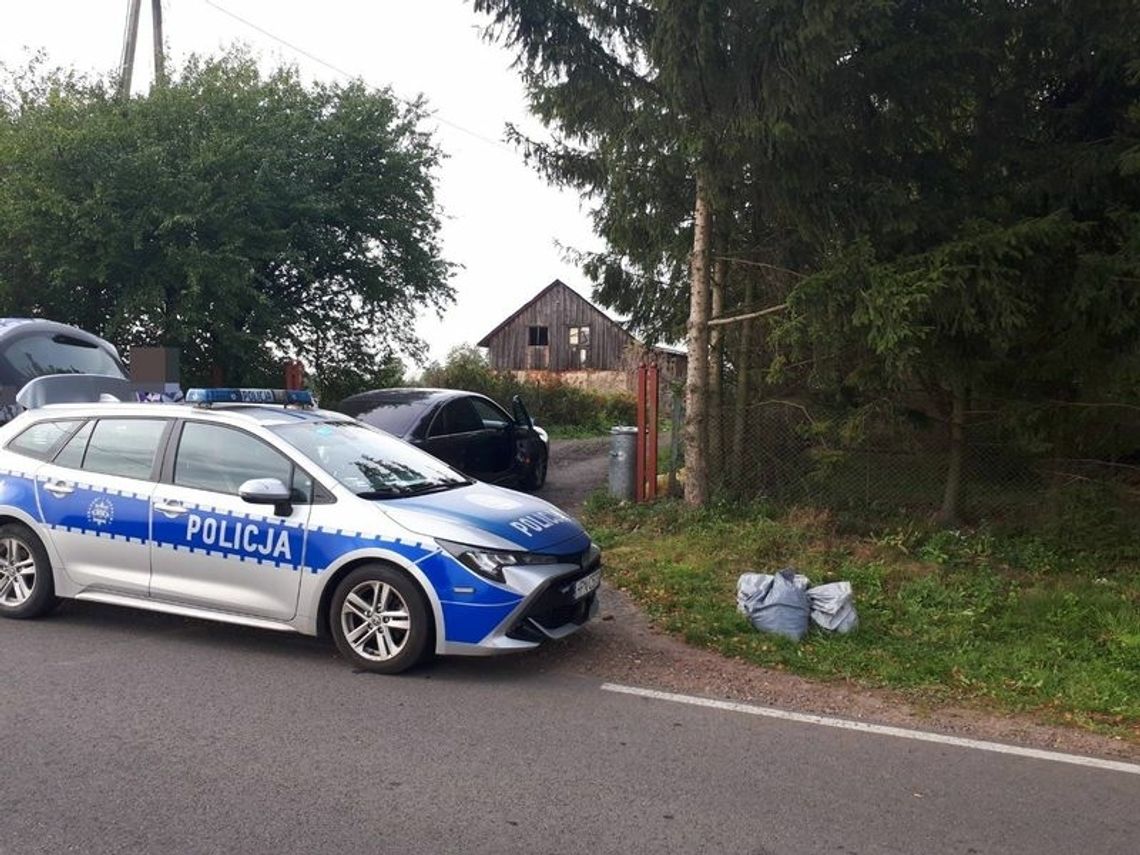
point(1005, 619)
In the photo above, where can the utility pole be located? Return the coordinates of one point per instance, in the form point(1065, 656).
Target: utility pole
point(130, 40)
point(159, 59)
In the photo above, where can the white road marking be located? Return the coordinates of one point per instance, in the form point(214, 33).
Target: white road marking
point(880, 729)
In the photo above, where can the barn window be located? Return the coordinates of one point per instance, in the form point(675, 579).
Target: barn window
point(579, 336)
point(580, 344)
point(537, 336)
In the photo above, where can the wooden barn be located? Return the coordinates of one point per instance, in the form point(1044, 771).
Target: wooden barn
point(559, 333)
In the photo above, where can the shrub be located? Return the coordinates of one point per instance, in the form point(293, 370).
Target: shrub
point(551, 403)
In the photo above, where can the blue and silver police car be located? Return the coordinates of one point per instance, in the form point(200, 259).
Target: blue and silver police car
point(252, 507)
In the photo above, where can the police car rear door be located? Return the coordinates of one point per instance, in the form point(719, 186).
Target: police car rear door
point(211, 548)
point(95, 499)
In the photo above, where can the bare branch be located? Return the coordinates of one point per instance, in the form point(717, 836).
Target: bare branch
point(1096, 405)
point(763, 264)
point(1094, 462)
point(715, 322)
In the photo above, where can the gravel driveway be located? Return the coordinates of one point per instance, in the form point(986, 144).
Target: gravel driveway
point(578, 467)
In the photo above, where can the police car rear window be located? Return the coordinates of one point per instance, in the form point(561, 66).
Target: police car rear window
point(124, 447)
point(40, 439)
point(71, 455)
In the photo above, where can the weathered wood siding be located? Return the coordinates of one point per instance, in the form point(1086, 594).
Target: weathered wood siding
point(559, 309)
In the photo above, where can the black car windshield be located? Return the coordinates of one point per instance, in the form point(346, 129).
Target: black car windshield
point(372, 464)
point(395, 417)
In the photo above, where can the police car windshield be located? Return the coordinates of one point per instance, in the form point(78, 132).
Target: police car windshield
point(369, 462)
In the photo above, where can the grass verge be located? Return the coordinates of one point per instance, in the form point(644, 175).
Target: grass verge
point(1004, 621)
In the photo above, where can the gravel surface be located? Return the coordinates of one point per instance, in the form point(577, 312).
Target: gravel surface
point(623, 647)
point(578, 467)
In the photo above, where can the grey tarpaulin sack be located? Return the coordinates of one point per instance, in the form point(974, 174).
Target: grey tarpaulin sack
point(776, 604)
point(833, 607)
point(747, 586)
point(750, 583)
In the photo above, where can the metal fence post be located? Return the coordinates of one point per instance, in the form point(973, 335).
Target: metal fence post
point(652, 418)
point(647, 416)
point(675, 439)
point(639, 448)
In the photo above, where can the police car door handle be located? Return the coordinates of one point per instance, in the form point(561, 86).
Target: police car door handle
point(59, 489)
point(171, 509)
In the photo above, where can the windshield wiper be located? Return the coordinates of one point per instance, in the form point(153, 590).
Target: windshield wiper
point(408, 492)
point(435, 488)
point(380, 494)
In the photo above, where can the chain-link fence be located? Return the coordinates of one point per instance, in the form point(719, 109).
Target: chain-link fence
point(889, 462)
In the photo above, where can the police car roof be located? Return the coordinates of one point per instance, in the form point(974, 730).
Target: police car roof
point(264, 414)
point(277, 414)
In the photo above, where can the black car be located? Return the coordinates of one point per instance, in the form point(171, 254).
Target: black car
point(33, 347)
point(469, 431)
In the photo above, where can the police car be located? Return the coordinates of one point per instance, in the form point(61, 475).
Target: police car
point(253, 507)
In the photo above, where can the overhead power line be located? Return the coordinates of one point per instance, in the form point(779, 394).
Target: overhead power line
point(343, 73)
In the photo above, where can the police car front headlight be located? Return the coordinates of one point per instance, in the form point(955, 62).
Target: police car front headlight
point(490, 563)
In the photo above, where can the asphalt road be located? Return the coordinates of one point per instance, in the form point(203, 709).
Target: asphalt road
point(123, 731)
point(131, 732)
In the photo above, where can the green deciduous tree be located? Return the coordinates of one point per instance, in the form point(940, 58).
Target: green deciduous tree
point(242, 216)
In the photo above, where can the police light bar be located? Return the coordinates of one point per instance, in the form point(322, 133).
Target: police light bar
point(285, 397)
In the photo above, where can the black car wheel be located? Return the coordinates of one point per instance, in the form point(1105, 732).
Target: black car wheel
point(537, 475)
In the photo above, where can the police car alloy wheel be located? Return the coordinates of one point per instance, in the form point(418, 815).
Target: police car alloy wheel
point(26, 588)
point(379, 620)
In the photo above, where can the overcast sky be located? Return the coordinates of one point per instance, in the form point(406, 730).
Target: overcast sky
point(502, 220)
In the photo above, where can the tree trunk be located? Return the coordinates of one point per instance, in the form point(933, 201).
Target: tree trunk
point(696, 386)
point(715, 432)
point(743, 393)
point(952, 498)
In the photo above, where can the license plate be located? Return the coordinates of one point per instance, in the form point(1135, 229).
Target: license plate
point(587, 584)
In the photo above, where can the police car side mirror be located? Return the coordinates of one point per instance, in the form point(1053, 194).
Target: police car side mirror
point(267, 491)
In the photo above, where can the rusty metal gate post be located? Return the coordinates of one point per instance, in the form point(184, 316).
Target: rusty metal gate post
point(294, 374)
point(647, 419)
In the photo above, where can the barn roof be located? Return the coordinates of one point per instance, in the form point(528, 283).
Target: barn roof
point(557, 283)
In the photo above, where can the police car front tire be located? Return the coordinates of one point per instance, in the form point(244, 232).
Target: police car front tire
point(379, 619)
point(27, 589)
